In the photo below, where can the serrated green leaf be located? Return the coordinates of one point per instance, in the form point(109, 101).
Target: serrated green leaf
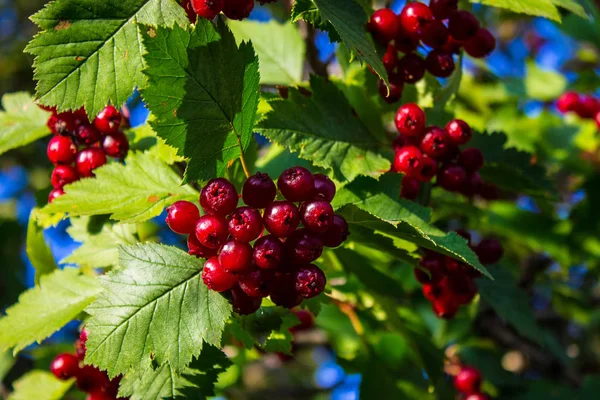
point(144, 138)
point(307, 10)
point(40, 385)
point(322, 128)
point(542, 8)
point(573, 6)
point(21, 122)
point(44, 309)
point(155, 306)
point(38, 251)
point(204, 92)
point(132, 192)
point(279, 47)
point(89, 52)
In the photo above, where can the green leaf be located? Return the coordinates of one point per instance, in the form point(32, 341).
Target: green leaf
point(448, 92)
point(98, 249)
point(542, 8)
point(307, 10)
point(267, 328)
point(44, 309)
point(204, 92)
point(144, 138)
point(544, 85)
point(573, 6)
point(134, 192)
point(155, 306)
point(21, 122)
point(279, 47)
point(38, 251)
point(322, 128)
point(89, 52)
point(40, 385)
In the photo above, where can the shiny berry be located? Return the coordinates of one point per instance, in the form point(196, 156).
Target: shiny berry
point(268, 252)
point(383, 25)
point(65, 366)
point(471, 159)
point(211, 231)
point(90, 379)
point(440, 64)
point(219, 197)
point(182, 217)
point(438, 291)
point(281, 218)
point(390, 58)
point(396, 89)
point(238, 9)
point(410, 120)
point(108, 120)
point(324, 187)
point(433, 269)
point(284, 292)
point(337, 233)
point(436, 142)
point(316, 215)
point(481, 45)
point(410, 188)
point(215, 277)
point(296, 184)
point(88, 160)
point(568, 101)
point(61, 150)
point(489, 251)
point(189, 10)
point(408, 161)
point(435, 34)
point(463, 25)
point(411, 67)
point(406, 42)
point(235, 256)
point(259, 190)
point(245, 224)
point(257, 283)
point(63, 175)
point(415, 16)
point(61, 124)
point(597, 119)
point(303, 247)
point(116, 145)
point(459, 132)
point(87, 134)
point(452, 178)
point(208, 9)
point(468, 380)
point(310, 281)
point(445, 309)
point(452, 46)
point(55, 193)
point(428, 170)
point(443, 9)
point(242, 303)
point(195, 248)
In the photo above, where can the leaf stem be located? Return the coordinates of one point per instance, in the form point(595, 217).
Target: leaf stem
point(243, 160)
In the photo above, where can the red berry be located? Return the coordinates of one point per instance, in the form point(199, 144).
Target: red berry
point(310, 281)
point(459, 132)
point(445, 309)
point(432, 264)
point(481, 45)
point(316, 215)
point(473, 185)
point(63, 175)
point(238, 9)
point(452, 178)
point(284, 292)
point(90, 379)
point(568, 101)
point(83, 335)
point(108, 120)
point(189, 10)
point(468, 380)
point(208, 9)
point(588, 107)
point(61, 150)
point(410, 120)
point(463, 287)
point(245, 224)
point(471, 159)
point(215, 276)
point(406, 42)
point(435, 34)
point(390, 58)
point(443, 9)
point(452, 46)
point(303, 247)
point(65, 366)
point(411, 67)
point(489, 251)
point(414, 17)
point(597, 119)
point(408, 161)
point(296, 184)
point(211, 231)
point(463, 25)
point(324, 187)
point(428, 170)
point(396, 89)
point(235, 256)
point(182, 217)
point(281, 218)
point(337, 233)
point(436, 142)
point(259, 190)
point(87, 134)
point(61, 124)
point(54, 194)
point(219, 197)
point(257, 283)
point(88, 160)
point(383, 24)
point(477, 396)
point(195, 248)
point(410, 188)
point(440, 64)
point(307, 321)
point(116, 145)
point(268, 252)
point(242, 303)
point(80, 350)
point(438, 291)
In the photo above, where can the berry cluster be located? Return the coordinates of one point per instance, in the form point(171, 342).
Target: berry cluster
point(468, 383)
point(441, 26)
point(79, 146)
point(278, 264)
point(88, 379)
point(209, 9)
point(424, 152)
point(587, 107)
point(448, 283)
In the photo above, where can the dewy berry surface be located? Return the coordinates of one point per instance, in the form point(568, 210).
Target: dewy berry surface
point(245, 224)
point(259, 190)
point(211, 231)
point(281, 218)
point(296, 184)
point(182, 217)
point(219, 197)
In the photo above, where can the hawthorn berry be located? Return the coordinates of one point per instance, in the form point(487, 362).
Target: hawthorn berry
point(87, 134)
point(411, 67)
point(396, 89)
point(597, 119)
point(471, 159)
point(435, 34)
point(242, 303)
point(219, 197)
point(182, 217)
point(414, 17)
point(383, 24)
point(438, 291)
point(215, 277)
point(440, 63)
point(489, 251)
point(296, 184)
point(463, 25)
point(235, 256)
point(324, 187)
point(310, 281)
point(436, 142)
point(568, 101)
point(88, 160)
point(268, 252)
point(284, 292)
point(211, 231)
point(408, 161)
point(452, 177)
point(238, 9)
point(452, 46)
point(433, 269)
point(61, 124)
point(108, 121)
point(410, 188)
point(189, 10)
point(55, 194)
point(481, 45)
point(303, 247)
point(588, 107)
point(245, 224)
point(195, 248)
point(463, 287)
point(259, 190)
point(90, 379)
point(61, 150)
point(410, 120)
point(390, 58)
point(65, 366)
point(208, 9)
point(428, 170)
point(468, 380)
point(337, 233)
point(445, 309)
point(281, 218)
point(116, 145)
point(459, 131)
point(63, 175)
point(257, 283)
point(443, 9)
point(406, 42)
point(316, 215)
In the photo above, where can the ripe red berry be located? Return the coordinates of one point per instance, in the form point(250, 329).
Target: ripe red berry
point(452, 46)
point(383, 24)
point(481, 45)
point(477, 396)
point(219, 197)
point(324, 187)
point(438, 291)
point(410, 188)
point(452, 177)
point(406, 42)
point(489, 251)
point(310, 281)
point(235, 256)
point(337, 233)
point(284, 292)
point(445, 309)
point(436, 142)
point(408, 161)
point(55, 194)
point(463, 25)
point(61, 124)
point(195, 248)
point(90, 379)
point(61, 150)
point(588, 107)
point(463, 287)
point(411, 67)
point(268, 252)
point(396, 89)
point(443, 9)
point(242, 303)
point(108, 121)
point(568, 101)
point(281, 218)
point(259, 190)
point(87, 134)
point(257, 283)
point(245, 224)
point(88, 160)
point(182, 217)
point(468, 380)
point(116, 145)
point(435, 34)
point(471, 159)
point(63, 175)
point(296, 184)
point(215, 277)
point(211, 231)
point(428, 169)
point(415, 16)
point(410, 120)
point(65, 366)
point(459, 132)
point(432, 264)
point(390, 58)
point(303, 247)
point(208, 9)
point(440, 63)
point(189, 10)
point(316, 215)
point(238, 9)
